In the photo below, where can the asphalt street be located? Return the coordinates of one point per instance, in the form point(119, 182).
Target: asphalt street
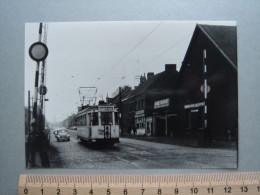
point(137, 154)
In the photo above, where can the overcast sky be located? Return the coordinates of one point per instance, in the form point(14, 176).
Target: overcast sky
point(105, 55)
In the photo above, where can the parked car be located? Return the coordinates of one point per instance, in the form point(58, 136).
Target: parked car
point(62, 135)
point(73, 128)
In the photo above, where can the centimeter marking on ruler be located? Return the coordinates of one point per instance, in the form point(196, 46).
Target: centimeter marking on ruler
point(193, 184)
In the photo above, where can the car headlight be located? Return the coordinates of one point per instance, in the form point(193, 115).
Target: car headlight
point(68, 135)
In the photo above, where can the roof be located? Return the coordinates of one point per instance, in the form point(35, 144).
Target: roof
point(161, 83)
point(124, 94)
point(224, 38)
point(142, 88)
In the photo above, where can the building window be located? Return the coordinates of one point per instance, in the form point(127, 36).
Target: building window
point(142, 104)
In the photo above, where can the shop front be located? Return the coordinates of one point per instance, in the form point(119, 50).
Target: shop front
point(149, 126)
point(139, 123)
point(194, 116)
point(163, 118)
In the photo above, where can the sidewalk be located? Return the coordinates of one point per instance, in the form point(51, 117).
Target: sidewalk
point(182, 141)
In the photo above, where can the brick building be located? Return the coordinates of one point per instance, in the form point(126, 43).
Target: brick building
point(220, 108)
point(148, 107)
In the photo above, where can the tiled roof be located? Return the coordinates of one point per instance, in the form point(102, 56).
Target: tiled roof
point(124, 94)
point(224, 38)
point(161, 83)
point(142, 88)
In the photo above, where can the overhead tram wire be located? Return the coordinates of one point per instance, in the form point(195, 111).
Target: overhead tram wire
point(164, 51)
point(130, 51)
point(159, 55)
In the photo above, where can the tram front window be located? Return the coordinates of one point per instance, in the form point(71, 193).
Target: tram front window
point(116, 118)
point(95, 118)
point(106, 118)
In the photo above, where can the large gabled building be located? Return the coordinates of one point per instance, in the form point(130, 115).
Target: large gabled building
point(216, 115)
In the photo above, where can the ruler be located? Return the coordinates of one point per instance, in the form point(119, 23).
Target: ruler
point(181, 184)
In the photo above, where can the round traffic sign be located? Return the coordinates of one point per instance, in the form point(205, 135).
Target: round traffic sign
point(38, 51)
point(43, 90)
point(202, 88)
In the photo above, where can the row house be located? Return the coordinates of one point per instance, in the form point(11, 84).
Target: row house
point(147, 108)
point(199, 101)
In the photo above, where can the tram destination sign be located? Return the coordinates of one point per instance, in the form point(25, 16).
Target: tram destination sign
point(106, 109)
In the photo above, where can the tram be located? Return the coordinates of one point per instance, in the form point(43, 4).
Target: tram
point(98, 124)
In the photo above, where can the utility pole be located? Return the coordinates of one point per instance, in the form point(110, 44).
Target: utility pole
point(29, 113)
point(120, 108)
point(205, 97)
point(35, 114)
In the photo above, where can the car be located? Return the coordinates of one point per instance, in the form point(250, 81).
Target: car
point(62, 135)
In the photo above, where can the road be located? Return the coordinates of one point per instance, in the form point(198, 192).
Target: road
point(137, 154)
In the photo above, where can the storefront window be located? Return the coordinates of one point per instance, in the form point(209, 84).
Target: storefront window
point(140, 123)
point(187, 119)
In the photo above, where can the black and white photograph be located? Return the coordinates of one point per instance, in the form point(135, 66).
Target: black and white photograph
point(131, 95)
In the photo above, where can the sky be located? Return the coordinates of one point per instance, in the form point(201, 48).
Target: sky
point(105, 55)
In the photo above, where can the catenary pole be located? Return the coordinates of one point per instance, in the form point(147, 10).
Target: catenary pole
point(35, 119)
point(35, 114)
point(29, 113)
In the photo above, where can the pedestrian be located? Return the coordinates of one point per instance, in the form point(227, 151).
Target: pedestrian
point(134, 129)
point(129, 129)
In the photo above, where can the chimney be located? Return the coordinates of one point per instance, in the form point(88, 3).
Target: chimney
point(149, 75)
point(142, 79)
point(170, 68)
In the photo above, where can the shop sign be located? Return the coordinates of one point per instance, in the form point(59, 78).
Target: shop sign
point(161, 103)
point(139, 113)
point(196, 105)
point(149, 119)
